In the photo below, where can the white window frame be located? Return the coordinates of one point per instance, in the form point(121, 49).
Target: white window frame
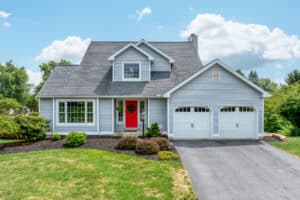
point(131, 79)
point(117, 112)
point(74, 124)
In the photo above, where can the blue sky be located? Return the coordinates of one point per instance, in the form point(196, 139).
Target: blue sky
point(248, 35)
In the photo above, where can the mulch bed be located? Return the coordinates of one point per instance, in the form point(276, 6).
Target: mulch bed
point(107, 144)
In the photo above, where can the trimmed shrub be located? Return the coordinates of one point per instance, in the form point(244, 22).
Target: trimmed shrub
point(163, 143)
point(146, 147)
point(127, 143)
point(153, 131)
point(167, 155)
point(75, 139)
point(9, 128)
point(32, 127)
point(56, 137)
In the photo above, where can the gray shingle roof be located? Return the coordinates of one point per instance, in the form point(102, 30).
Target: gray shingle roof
point(93, 77)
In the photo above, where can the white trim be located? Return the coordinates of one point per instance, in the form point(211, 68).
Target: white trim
point(98, 115)
point(168, 115)
point(113, 116)
point(112, 57)
point(132, 79)
point(148, 111)
point(53, 115)
point(171, 60)
point(211, 64)
point(74, 124)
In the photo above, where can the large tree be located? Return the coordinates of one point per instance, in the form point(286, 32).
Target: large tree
point(293, 77)
point(46, 69)
point(14, 82)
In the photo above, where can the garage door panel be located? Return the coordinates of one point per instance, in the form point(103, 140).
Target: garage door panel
point(192, 124)
point(238, 123)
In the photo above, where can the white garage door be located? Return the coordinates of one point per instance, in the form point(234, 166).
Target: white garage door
point(192, 122)
point(238, 122)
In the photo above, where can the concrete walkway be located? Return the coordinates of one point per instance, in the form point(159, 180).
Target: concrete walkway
point(243, 170)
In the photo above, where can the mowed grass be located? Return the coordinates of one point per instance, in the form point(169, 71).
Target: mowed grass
point(291, 145)
point(3, 141)
point(90, 174)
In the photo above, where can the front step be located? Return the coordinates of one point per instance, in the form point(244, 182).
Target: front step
point(129, 133)
point(130, 130)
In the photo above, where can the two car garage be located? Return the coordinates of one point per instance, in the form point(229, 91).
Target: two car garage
point(199, 122)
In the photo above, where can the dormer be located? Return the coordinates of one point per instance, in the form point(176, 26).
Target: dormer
point(135, 62)
point(162, 62)
point(131, 63)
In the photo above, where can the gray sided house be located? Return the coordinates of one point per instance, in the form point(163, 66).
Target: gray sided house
point(117, 83)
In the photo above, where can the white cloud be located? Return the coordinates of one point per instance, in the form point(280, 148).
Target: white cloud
point(6, 24)
point(34, 77)
point(141, 13)
point(72, 48)
point(241, 45)
point(4, 14)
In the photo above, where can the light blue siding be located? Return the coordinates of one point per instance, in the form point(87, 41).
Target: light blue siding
point(106, 115)
point(158, 112)
point(160, 63)
point(46, 110)
point(228, 91)
point(131, 55)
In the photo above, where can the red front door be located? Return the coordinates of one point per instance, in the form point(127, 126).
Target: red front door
point(131, 114)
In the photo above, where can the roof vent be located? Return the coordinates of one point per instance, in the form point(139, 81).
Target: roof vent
point(194, 39)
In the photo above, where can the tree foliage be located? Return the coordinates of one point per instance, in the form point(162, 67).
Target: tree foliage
point(253, 77)
point(14, 82)
point(293, 77)
point(282, 110)
point(7, 105)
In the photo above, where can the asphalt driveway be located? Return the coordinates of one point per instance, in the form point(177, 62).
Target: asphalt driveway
point(243, 170)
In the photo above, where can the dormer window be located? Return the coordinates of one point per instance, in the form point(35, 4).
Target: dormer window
point(131, 71)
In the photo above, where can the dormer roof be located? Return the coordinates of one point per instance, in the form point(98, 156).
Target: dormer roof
point(112, 57)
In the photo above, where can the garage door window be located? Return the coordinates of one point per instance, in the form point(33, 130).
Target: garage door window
point(228, 109)
point(201, 109)
point(246, 109)
point(183, 109)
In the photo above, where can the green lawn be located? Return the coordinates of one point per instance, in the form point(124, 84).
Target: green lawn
point(2, 141)
point(291, 145)
point(90, 174)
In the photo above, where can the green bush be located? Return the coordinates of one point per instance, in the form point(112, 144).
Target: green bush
point(167, 155)
point(32, 127)
point(153, 131)
point(295, 131)
point(163, 143)
point(9, 129)
point(127, 143)
point(146, 147)
point(56, 137)
point(75, 139)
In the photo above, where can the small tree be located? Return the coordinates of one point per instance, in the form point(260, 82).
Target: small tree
point(153, 131)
